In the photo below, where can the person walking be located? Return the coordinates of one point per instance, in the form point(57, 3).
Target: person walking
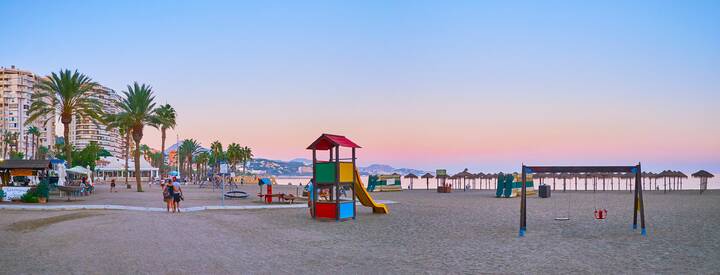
point(112, 186)
point(177, 195)
point(167, 188)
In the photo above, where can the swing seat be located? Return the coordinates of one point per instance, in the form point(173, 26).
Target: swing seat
point(600, 214)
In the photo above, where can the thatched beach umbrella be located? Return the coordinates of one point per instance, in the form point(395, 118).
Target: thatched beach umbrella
point(704, 176)
point(665, 175)
point(463, 176)
point(682, 176)
point(411, 176)
point(427, 178)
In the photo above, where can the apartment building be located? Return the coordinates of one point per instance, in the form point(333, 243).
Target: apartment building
point(16, 89)
point(86, 130)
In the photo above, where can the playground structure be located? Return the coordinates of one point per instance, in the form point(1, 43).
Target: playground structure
point(638, 204)
point(335, 176)
point(384, 183)
point(510, 185)
point(269, 195)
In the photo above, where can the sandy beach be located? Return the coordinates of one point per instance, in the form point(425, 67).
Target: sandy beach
point(460, 232)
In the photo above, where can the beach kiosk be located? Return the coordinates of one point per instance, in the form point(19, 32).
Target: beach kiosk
point(335, 176)
point(443, 186)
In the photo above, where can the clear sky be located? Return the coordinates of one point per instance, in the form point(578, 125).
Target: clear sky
point(427, 84)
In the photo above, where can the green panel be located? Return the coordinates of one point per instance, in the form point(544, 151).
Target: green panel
point(325, 172)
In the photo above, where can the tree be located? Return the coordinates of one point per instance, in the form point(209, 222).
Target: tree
point(88, 156)
point(247, 156)
point(123, 124)
point(217, 152)
point(7, 141)
point(234, 154)
point(138, 108)
point(145, 150)
point(165, 119)
point(35, 133)
point(189, 148)
point(65, 94)
point(202, 160)
point(42, 152)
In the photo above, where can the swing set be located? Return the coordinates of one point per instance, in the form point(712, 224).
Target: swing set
point(599, 213)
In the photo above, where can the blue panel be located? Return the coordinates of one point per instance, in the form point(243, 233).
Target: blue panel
point(346, 210)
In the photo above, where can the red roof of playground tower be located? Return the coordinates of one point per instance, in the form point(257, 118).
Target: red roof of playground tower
point(327, 141)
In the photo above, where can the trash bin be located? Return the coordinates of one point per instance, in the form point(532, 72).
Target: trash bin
point(544, 191)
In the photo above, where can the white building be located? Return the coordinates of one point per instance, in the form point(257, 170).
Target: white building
point(109, 168)
point(16, 89)
point(84, 131)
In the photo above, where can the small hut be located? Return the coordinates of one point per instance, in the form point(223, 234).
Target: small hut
point(704, 176)
point(411, 176)
point(427, 178)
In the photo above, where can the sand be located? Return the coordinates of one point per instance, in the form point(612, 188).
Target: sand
point(427, 232)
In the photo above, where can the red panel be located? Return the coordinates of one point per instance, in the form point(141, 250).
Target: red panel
point(327, 141)
point(326, 210)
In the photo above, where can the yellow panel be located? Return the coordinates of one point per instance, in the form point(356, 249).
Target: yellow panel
point(346, 172)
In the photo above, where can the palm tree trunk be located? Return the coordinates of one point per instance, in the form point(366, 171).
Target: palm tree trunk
point(137, 165)
point(162, 151)
point(26, 145)
point(127, 157)
point(68, 147)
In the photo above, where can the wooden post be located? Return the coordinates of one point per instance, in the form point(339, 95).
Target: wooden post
point(355, 179)
point(523, 202)
point(315, 187)
point(337, 183)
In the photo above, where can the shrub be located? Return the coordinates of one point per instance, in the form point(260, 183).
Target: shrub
point(29, 198)
point(42, 190)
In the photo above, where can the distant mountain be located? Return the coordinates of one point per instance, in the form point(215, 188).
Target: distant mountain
point(302, 160)
point(302, 167)
point(387, 169)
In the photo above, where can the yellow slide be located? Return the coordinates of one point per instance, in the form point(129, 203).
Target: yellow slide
point(365, 198)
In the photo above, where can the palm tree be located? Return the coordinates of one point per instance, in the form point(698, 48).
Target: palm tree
point(165, 118)
point(138, 108)
point(123, 124)
point(65, 94)
point(35, 133)
point(7, 141)
point(202, 160)
point(189, 148)
point(217, 151)
point(234, 154)
point(246, 156)
point(42, 152)
point(146, 151)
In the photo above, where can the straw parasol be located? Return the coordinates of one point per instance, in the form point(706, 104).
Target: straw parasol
point(427, 178)
point(703, 176)
point(411, 176)
point(463, 176)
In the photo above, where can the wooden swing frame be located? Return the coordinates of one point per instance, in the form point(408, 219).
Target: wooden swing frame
point(638, 205)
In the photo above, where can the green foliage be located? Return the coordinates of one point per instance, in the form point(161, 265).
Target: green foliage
point(88, 156)
point(42, 190)
point(17, 155)
point(29, 198)
point(42, 152)
point(2, 194)
point(104, 153)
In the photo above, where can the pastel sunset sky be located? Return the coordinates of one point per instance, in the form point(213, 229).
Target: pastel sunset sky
point(485, 85)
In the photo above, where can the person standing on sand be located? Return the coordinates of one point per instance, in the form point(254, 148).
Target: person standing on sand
point(112, 186)
point(167, 194)
point(177, 195)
